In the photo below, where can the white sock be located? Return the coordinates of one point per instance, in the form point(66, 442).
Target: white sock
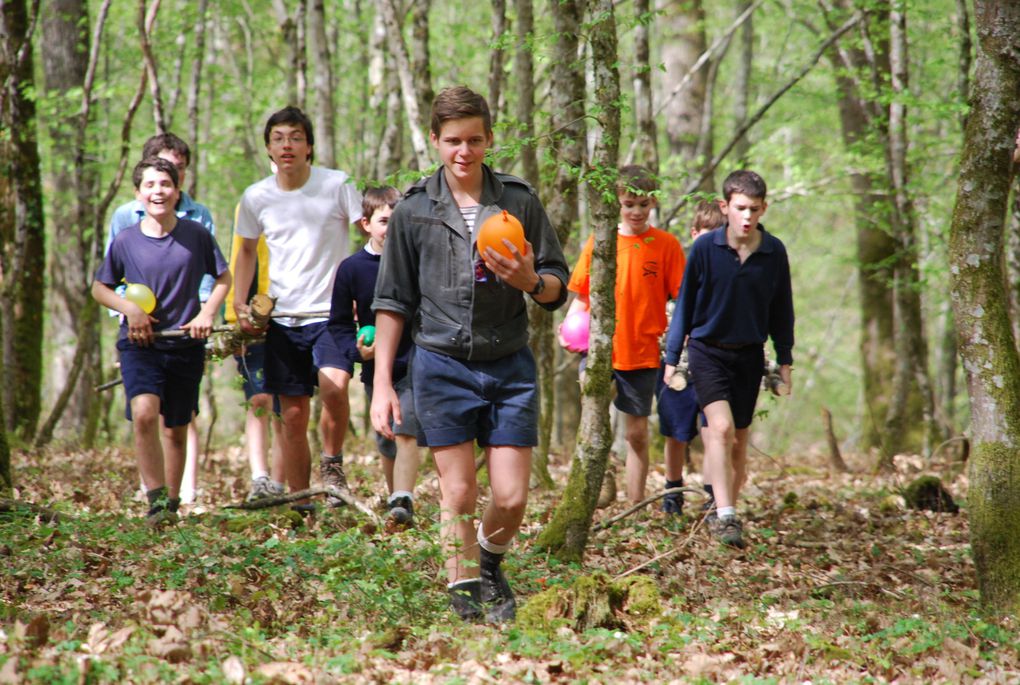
point(723, 512)
point(398, 494)
point(490, 546)
point(255, 475)
point(454, 584)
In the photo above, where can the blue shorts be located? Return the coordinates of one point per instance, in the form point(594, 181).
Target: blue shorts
point(493, 402)
point(294, 356)
point(172, 375)
point(678, 411)
point(635, 389)
point(726, 374)
point(251, 367)
point(409, 424)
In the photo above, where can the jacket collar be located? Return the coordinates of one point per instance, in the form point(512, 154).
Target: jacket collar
point(447, 210)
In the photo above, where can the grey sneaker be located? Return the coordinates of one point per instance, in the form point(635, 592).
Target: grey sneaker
point(263, 487)
point(401, 510)
point(465, 599)
point(331, 471)
point(727, 529)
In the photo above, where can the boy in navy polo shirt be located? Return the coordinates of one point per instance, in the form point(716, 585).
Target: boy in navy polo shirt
point(350, 312)
point(162, 375)
point(736, 293)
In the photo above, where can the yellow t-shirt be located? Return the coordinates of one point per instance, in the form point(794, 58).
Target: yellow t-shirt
point(261, 271)
point(649, 268)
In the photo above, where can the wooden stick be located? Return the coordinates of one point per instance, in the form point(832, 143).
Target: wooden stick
point(300, 315)
point(835, 458)
point(648, 500)
point(667, 553)
point(339, 493)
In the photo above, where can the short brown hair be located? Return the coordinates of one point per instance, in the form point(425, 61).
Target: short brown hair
point(707, 215)
point(745, 182)
point(157, 163)
point(377, 198)
point(459, 102)
point(636, 180)
point(166, 141)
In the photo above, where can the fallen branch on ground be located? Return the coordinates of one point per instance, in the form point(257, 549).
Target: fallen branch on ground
point(339, 493)
point(648, 500)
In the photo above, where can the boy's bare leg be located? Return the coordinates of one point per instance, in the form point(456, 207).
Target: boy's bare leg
point(277, 470)
point(388, 466)
point(336, 409)
point(297, 460)
point(636, 435)
point(458, 500)
point(675, 456)
point(146, 422)
point(256, 432)
point(509, 475)
point(189, 481)
point(406, 465)
point(739, 460)
point(175, 443)
point(719, 436)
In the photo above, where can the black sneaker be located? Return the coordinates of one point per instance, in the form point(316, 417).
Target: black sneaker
point(497, 597)
point(465, 599)
point(401, 510)
point(331, 471)
point(160, 517)
point(673, 504)
point(727, 530)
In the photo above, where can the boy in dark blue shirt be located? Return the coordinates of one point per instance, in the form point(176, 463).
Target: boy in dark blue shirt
point(736, 293)
point(351, 310)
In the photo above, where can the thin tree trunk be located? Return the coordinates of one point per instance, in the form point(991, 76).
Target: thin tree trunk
point(987, 347)
point(496, 57)
point(566, 535)
point(646, 149)
point(683, 42)
point(149, 57)
point(420, 59)
point(194, 90)
point(566, 141)
point(65, 58)
point(22, 234)
point(742, 82)
point(409, 95)
point(324, 84)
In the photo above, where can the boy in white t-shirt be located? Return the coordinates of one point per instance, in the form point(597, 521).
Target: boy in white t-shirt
point(304, 212)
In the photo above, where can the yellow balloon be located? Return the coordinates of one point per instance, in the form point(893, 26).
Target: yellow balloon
point(140, 294)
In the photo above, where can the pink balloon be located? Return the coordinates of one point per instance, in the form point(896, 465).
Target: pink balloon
point(575, 331)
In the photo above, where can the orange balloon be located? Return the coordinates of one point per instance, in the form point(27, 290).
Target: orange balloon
point(495, 228)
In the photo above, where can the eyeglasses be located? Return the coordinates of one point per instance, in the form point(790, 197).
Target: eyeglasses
point(294, 139)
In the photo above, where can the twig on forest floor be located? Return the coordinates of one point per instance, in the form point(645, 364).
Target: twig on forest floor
point(339, 493)
point(658, 557)
point(14, 506)
point(603, 525)
point(234, 636)
point(837, 583)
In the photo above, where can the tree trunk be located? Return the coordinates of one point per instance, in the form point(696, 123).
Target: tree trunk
point(323, 83)
point(22, 247)
point(6, 472)
point(986, 343)
point(65, 52)
point(420, 60)
point(646, 147)
point(566, 140)
point(742, 82)
point(683, 42)
point(194, 91)
point(910, 422)
point(408, 91)
point(566, 535)
point(496, 56)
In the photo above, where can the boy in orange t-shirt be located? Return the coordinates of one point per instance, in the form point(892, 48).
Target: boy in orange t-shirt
point(649, 265)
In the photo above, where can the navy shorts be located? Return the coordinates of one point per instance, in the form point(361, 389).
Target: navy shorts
point(678, 411)
point(493, 402)
point(294, 356)
point(730, 375)
point(635, 389)
point(251, 368)
point(409, 424)
point(173, 375)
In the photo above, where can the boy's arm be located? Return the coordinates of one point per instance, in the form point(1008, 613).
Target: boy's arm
point(139, 323)
point(341, 314)
point(389, 327)
point(683, 313)
point(781, 319)
point(520, 273)
point(201, 325)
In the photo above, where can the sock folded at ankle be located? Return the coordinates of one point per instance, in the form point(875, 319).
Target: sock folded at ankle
point(674, 484)
point(397, 494)
point(332, 458)
point(723, 512)
point(490, 546)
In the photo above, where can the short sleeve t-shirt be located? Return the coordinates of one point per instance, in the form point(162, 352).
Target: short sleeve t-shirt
point(307, 234)
point(649, 268)
point(172, 266)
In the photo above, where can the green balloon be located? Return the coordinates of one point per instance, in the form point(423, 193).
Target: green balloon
point(366, 334)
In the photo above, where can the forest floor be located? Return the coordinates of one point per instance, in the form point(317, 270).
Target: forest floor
point(840, 583)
